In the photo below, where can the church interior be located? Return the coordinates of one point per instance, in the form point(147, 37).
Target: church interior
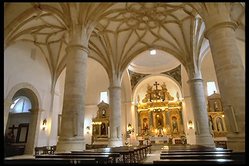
point(145, 78)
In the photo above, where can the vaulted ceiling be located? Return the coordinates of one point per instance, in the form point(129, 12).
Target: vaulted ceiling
point(120, 31)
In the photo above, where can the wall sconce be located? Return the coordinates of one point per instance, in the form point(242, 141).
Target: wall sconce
point(87, 129)
point(130, 129)
point(44, 124)
point(190, 124)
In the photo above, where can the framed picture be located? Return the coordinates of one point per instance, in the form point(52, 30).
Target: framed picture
point(22, 133)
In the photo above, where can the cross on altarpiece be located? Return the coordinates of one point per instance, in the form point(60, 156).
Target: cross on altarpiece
point(156, 84)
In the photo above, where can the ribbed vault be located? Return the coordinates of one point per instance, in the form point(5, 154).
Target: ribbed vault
point(117, 32)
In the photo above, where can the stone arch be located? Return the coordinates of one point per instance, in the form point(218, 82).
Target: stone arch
point(26, 89)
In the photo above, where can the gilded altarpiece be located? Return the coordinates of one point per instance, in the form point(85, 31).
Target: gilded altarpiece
point(216, 120)
point(100, 124)
point(159, 115)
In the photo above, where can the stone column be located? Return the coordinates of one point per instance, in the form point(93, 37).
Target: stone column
point(115, 119)
point(203, 136)
point(230, 75)
point(72, 124)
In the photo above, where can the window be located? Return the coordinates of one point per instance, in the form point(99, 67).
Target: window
point(211, 88)
point(21, 104)
point(104, 97)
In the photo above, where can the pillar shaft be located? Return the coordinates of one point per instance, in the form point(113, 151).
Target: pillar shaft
point(72, 124)
point(203, 136)
point(231, 79)
point(115, 116)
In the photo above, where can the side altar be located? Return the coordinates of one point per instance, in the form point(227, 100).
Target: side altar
point(100, 125)
point(160, 116)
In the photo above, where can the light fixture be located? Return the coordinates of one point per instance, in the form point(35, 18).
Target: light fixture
point(152, 52)
point(87, 129)
point(44, 124)
point(190, 124)
point(130, 129)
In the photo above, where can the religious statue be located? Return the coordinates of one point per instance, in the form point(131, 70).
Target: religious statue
point(145, 126)
point(174, 125)
point(211, 128)
point(216, 107)
point(103, 129)
point(219, 124)
point(103, 113)
point(160, 129)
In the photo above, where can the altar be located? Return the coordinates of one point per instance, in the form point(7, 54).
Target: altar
point(159, 140)
point(160, 115)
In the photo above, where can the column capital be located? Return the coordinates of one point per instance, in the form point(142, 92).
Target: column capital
point(195, 80)
point(226, 24)
point(114, 87)
point(77, 46)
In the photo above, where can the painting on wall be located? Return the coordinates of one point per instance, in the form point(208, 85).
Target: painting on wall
point(22, 133)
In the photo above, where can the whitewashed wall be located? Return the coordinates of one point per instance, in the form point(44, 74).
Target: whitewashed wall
point(21, 67)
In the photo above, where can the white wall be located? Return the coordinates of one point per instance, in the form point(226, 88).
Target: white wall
point(97, 81)
point(20, 67)
point(208, 71)
point(57, 109)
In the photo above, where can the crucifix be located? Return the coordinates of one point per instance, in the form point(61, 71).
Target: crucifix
point(13, 128)
point(156, 84)
point(156, 91)
point(12, 131)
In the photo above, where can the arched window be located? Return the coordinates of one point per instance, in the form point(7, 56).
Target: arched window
point(21, 104)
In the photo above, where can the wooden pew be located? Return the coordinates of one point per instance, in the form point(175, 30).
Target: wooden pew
point(43, 161)
point(238, 157)
point(126, 153)
point(196, 156)
point(77, 158)
point(193, 161)
point(112, 156)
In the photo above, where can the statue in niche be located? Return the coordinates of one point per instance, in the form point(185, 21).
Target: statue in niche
point(174, 125)
point(103, 129)
point(145, 126)
point(211, 127)
point(219, 124)
point(216, 106)
point(103, 112)
point(159, 121)
point(159, 124)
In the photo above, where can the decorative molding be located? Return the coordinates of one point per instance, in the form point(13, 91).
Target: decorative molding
point(228, 24)
point(135, 78)
point(174, 73)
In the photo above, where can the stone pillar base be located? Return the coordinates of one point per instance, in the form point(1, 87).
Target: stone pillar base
point(205, 140)
point(114, 142)
point(70, 144)
point(237, 144)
